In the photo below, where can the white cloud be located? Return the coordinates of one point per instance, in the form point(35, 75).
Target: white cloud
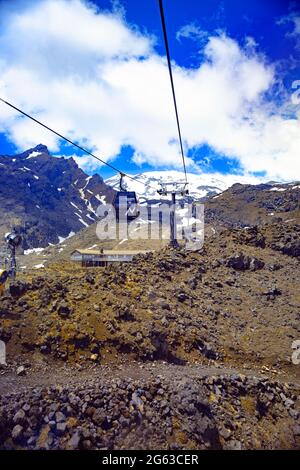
point(294, 20)
point(96, 79)
point(87, 163)
point(192, 31)
point(297, 25)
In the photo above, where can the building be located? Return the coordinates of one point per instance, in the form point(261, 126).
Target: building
point(90, 258)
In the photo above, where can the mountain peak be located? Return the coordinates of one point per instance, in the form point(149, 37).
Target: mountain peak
point(40, 148)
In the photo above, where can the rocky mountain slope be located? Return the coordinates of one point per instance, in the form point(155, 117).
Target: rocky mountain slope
point(48, 198)
point(223, 319)
point(247, 205)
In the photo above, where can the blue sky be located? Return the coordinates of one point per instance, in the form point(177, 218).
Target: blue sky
point(234, 66)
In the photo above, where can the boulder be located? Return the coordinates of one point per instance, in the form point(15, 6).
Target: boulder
point(64, 310)
point(242, 262)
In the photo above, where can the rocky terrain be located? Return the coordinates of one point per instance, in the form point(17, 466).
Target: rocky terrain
point(47, 198)
point(244, 205)
point(179, 349)
point(270, 205)
point(152, 406)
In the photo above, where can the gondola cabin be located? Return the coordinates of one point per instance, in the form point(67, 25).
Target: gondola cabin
point(126, 206)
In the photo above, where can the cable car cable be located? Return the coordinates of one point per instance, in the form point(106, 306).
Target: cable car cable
point(162, 16)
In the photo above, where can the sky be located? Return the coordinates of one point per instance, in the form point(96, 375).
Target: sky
point(96, 72)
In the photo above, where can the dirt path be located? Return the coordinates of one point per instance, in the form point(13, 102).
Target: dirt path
point(43, 375)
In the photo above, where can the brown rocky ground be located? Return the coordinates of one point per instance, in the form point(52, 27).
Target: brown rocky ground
point(219, 319)
point(148, 406)
point(247, 205)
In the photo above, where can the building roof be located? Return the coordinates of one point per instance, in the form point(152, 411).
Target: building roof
point(110, 252)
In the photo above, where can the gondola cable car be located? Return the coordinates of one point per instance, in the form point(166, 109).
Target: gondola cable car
point(125, 203)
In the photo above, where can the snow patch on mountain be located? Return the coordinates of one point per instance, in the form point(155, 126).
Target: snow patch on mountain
point(200, 185)
point(33, 155)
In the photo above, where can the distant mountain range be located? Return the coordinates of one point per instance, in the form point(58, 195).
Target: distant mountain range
point(230, 200)
point(51, 199)
point(201, 186)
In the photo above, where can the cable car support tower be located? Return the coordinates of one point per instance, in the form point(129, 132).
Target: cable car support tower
point(173, 189)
